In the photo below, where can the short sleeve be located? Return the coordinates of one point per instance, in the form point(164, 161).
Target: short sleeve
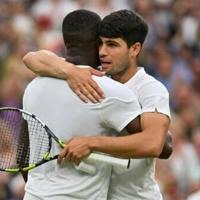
point(116, 113)
point(156, 103)
point(155, 97)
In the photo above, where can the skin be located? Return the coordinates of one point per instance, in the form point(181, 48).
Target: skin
point(119, 61)
point(116, 58)
point(43, 63)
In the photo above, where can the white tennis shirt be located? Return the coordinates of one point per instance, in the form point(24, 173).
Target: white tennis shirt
point(66, 115)
point(138, 182)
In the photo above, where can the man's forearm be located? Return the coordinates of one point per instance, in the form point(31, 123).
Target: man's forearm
point(132, 146)
point(46, 63)
point(147, 143)
point(140, 145)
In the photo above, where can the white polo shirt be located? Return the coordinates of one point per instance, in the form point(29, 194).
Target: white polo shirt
point(138, 182)
point(66, 115)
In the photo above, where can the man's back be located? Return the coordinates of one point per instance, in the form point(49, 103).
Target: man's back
point(67, 116)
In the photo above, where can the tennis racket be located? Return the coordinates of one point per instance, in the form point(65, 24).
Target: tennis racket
point(25, 143)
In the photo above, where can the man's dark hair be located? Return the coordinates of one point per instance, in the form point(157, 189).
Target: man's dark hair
point(80, 34)
point(124, 24)
point(80, 27)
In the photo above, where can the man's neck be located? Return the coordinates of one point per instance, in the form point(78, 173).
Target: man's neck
point(81, 57)
point(123, 77)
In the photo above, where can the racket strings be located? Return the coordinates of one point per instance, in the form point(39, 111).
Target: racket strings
point(39, 140)
point(23, 140)
point(8, 138)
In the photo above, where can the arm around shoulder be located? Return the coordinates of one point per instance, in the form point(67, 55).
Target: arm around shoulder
point(47, 63)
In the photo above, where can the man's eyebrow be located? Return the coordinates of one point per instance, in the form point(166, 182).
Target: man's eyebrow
point(110, 40)
point(107, 40)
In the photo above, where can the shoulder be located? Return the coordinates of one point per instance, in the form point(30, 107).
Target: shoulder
point(113, 88)
point(143, 83)
point(150, 86)
point(41, 81)
point(153, 95)
point(40, 84)
point(155, 87)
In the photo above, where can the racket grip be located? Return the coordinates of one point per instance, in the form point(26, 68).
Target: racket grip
point(87, 168)
point(103, 158)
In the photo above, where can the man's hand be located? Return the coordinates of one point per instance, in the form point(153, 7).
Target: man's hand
point(81, 82)
point(75, 150)
point(46, 63)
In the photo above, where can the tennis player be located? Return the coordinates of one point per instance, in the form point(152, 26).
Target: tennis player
point(66, 115)
point(122, 34)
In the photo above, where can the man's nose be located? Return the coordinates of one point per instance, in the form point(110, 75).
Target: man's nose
point(102, 51)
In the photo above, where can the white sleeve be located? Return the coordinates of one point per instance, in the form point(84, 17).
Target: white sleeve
point(154, 97)
point(116, 113)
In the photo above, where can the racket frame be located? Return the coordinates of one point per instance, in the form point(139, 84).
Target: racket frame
point(93, 157)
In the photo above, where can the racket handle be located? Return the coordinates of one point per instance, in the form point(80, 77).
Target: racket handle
point(102, 158)
point(107, 159)
point(87, 168)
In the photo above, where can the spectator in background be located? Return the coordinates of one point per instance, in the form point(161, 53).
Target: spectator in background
point(196, 142)
point(186, 105)
point(5, 192)
point(174, 29)
point(182, 169)
point(182, 63)
point(164, 72)
point(178, 165)
point(195, 65)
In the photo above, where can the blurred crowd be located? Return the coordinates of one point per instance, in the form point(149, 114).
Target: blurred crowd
point(171, 54)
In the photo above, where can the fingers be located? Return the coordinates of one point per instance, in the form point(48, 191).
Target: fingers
point(96, 72)
point(97, 91)
point(87, 94)
point(74, 158)
point(70, 156)
point(81, 95)
point(90, 92)
point(94, 85)
point(81, 82)
point(65, 155)
point(62, 155)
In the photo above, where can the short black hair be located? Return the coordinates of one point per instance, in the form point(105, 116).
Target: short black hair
point(80, 27)
point(124, 24)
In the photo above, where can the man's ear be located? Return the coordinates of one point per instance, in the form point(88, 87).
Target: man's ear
point(135, 49)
